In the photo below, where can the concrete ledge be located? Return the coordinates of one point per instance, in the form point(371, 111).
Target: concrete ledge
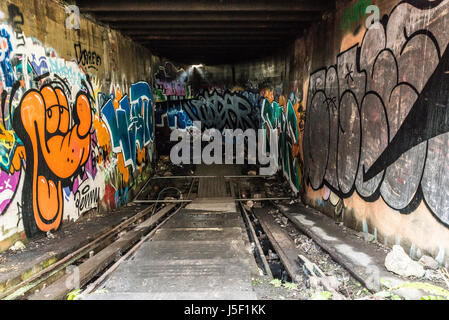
point(364, 260)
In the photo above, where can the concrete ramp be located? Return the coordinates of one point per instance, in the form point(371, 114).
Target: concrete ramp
point(213, 205)
point(198, 254)
point(214, 187)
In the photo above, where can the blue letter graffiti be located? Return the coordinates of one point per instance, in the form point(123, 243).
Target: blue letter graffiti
point(131, 125)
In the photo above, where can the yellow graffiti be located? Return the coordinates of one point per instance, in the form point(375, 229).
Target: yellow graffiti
point(7, 141)
point(237, 89)
point(102, 135)
point(283, 102)
point(269, 94)
point(124, 171)
point(118, 97)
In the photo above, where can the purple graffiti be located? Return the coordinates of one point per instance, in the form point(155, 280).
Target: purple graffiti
point(8, 185)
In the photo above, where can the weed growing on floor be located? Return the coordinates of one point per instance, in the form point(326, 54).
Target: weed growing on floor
point(276, 283)
point(290, 286)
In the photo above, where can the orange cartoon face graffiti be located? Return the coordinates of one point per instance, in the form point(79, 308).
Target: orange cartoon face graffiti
point(55, 151)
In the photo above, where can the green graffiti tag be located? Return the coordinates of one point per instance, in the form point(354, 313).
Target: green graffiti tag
point(353, 14)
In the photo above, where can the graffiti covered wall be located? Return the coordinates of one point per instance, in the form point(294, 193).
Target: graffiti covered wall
point(77, 127)
point(287, 116)
point(200, 93)
point(376, 137)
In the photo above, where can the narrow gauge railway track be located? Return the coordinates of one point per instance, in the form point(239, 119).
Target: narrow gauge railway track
point(97, 263)
point(290, 263)
point(23, 288)
point(79, 267)
point(94, 285)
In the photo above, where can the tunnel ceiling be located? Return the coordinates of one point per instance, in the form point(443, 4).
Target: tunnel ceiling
point(209, 31)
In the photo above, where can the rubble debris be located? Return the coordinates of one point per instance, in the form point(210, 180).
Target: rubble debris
point(318, 278)
point(311, 267)
point(314, 282)
point(428, 262)
point(121, 234)
point(445, 276)
point(397, 261)
point(284, 221)
point(333, 282)
point(366, 236)
point(17, 246)
point(338, 280)
point(257, 204)
point(272, 255)
point(433, 275)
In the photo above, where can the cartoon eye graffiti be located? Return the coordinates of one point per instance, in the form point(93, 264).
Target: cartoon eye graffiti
point(54, 152)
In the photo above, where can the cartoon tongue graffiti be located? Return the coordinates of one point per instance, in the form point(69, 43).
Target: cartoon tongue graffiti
point(54, 152)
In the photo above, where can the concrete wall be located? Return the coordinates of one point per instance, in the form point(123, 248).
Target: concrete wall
point(363, 120)
point(219, 96)
point(67, 98)
point(363, 129)
point(376, 143)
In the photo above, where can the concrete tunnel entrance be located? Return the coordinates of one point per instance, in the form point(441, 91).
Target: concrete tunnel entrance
point(224, 150)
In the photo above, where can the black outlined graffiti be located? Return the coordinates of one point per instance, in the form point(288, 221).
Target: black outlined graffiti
point(86, 58)
point(227, 111)
point(86, 198)
point(16, 20)
point(378, 120)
